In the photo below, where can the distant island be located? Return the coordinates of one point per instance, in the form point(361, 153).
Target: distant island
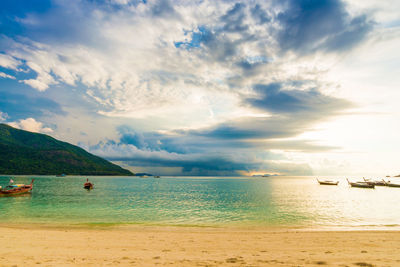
point(23, 153)
point(264, 175)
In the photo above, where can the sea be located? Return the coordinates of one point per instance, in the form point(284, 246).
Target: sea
point(278, 201)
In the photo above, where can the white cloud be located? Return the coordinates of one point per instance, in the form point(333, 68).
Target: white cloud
point(31, 125)
point(9, 62)
point(134, 69)
point(385, 12)
point(39, 85)
point(4, 75)
point(3, 116)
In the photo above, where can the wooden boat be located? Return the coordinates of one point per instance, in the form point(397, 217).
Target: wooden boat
point(390, 184)
point(327, 182)
point(360, 184)
point(88, 185)
point(393, 185)
point(157, 176)
point(376, 183)
point(17, 189)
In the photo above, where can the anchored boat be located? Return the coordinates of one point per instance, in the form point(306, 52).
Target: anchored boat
point(88, 185)
point(360, 184)
point(376, 183)
point(390, 184)
point(327, 182)
point(16, 189)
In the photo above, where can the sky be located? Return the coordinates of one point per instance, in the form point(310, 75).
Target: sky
point(204, 87)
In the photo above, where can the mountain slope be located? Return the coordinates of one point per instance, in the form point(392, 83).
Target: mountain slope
point(23, 152)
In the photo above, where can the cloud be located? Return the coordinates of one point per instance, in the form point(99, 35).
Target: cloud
point(202, 82)
point(153, 141)
point(13, 9)
point(129, 136)
point(205, 153)
point(20, 106)
point(289, 113)
point(228, 148)
point(31, 125)
point(3, 116)
point(259, 128)
point(260, 15)
point(275, 99)
point(163, 8)
point(234, 19)
point(9, 62)
point(194, 163)
point(4, 75)
point(37, 84)
point(307, 26)
point(191, 52)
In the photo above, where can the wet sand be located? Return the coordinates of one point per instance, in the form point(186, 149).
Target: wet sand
point(33, 245)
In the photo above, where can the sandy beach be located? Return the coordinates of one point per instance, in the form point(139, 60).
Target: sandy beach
point(32, 245)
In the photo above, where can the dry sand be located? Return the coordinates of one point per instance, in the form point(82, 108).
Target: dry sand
point(27, 245)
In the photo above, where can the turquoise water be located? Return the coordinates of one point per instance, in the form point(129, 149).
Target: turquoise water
point(208, 201)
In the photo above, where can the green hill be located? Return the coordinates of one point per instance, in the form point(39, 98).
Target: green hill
point(23, 152)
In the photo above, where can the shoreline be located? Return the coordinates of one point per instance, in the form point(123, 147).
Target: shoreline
point(233, 227)
point(135, 245)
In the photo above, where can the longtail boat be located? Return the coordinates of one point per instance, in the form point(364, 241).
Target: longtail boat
point(360, 184)
point(376, 183)
point(390, 184)
point(327, 182)
point(88, 185)
point(17, 189)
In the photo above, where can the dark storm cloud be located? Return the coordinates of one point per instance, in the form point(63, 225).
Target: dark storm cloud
point(164, 8)
point(218, 150)
point(212, 164)
point(218, 46)
point(234, 19)
point(152, 141)
point(201, 163)
point(303, 26)
point(292, 113)
point(223, 137)
point(253, 128)
point(129, 136)
point(273, 98)
point(260, 15)
point(310, 25)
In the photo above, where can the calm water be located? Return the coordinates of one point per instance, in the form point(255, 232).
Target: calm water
point(276, 201)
